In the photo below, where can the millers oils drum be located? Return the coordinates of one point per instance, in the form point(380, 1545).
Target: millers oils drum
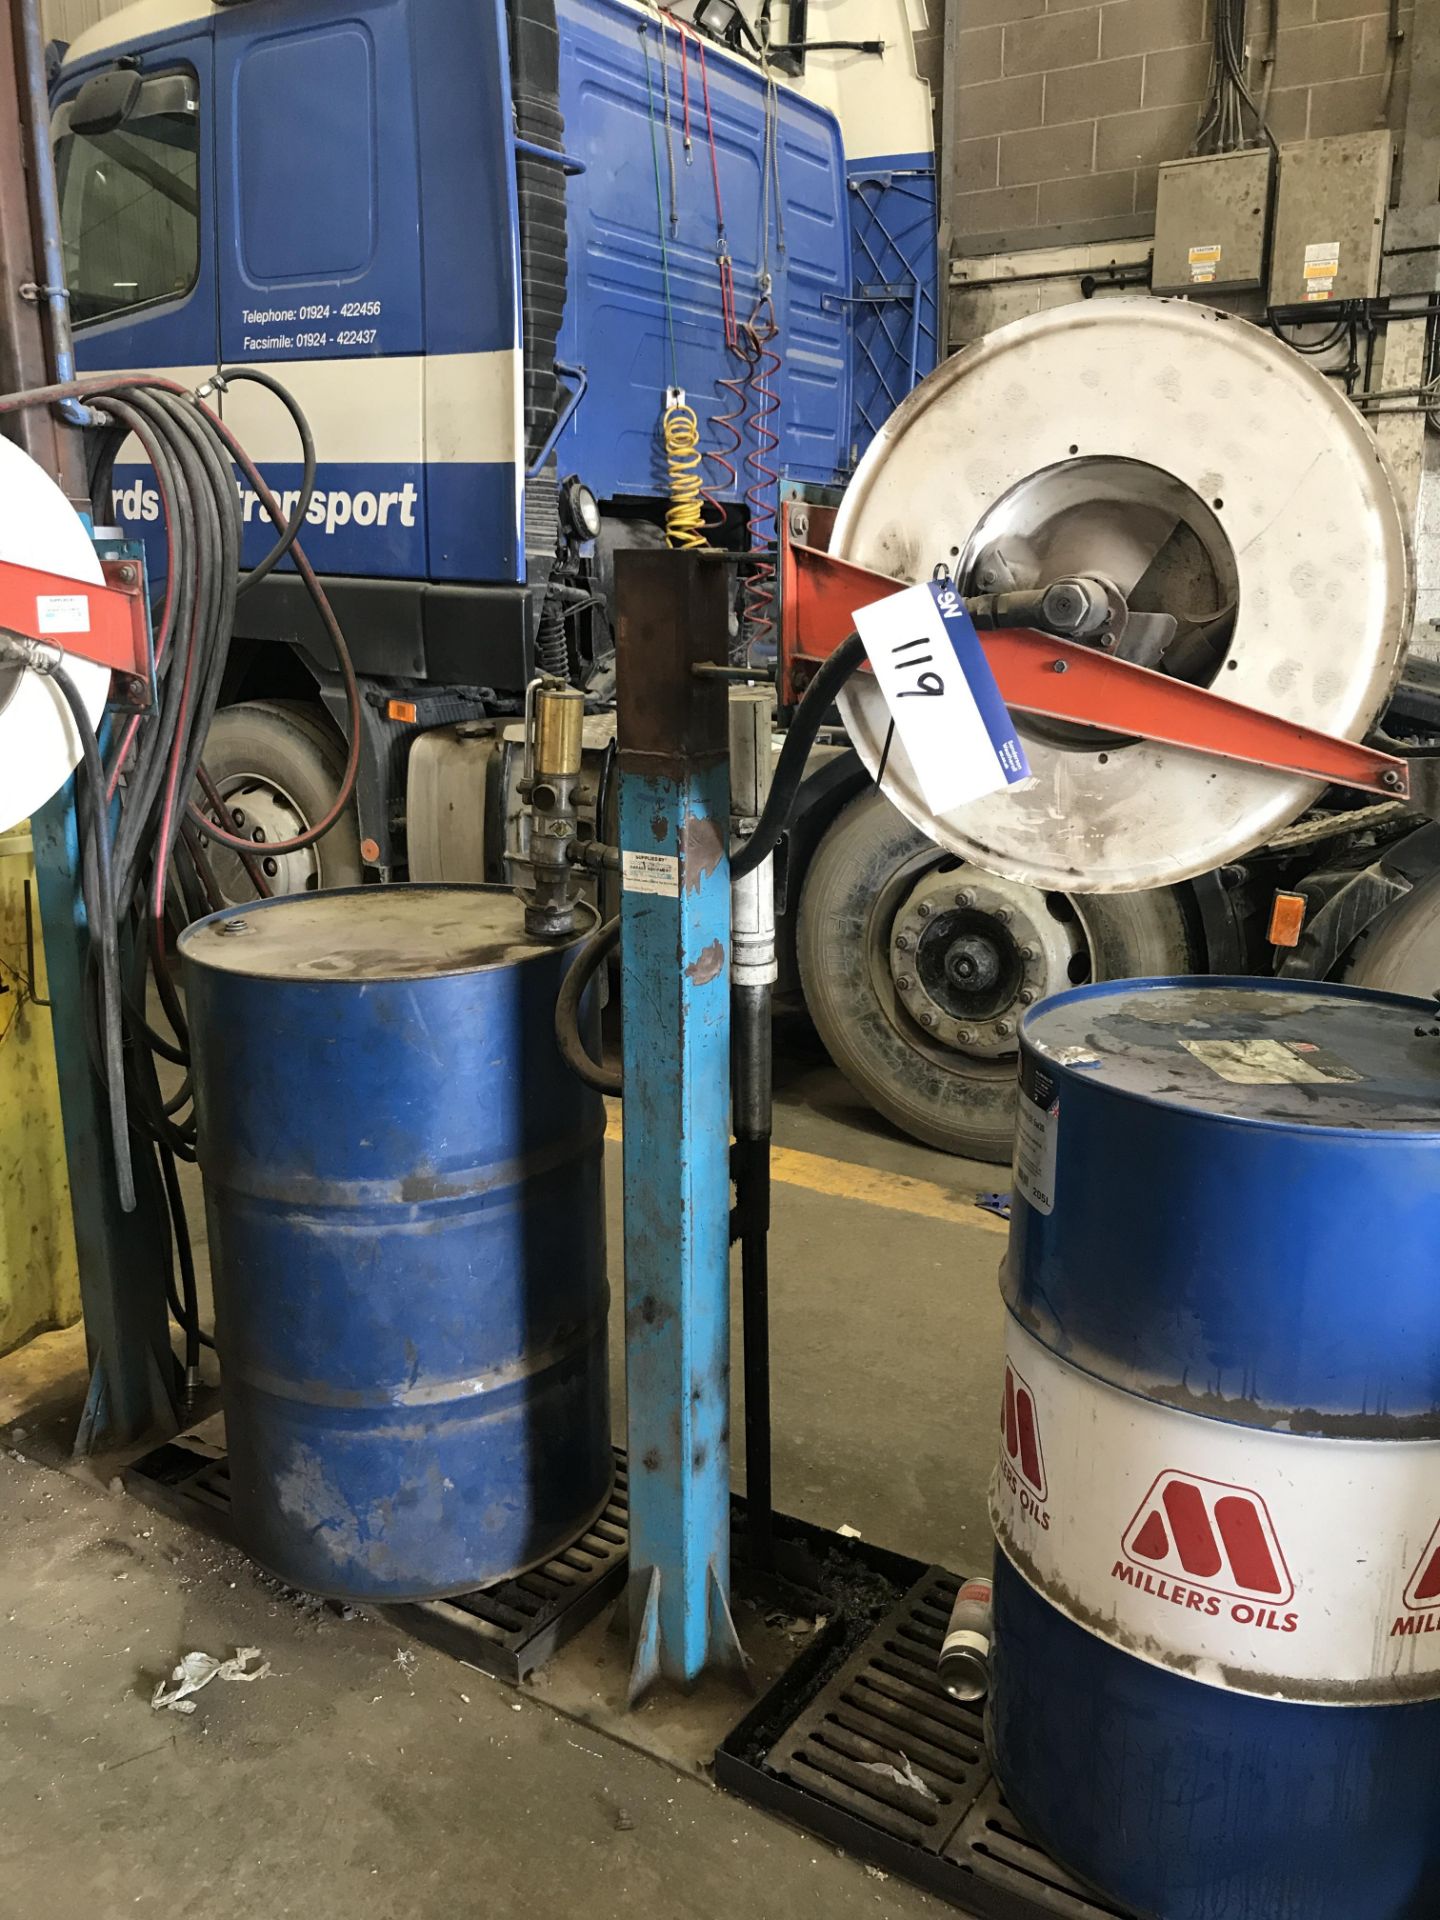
point(1216, 1660)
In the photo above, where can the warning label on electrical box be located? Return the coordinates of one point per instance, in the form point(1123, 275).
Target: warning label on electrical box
point(1204, 262)
point(1322, 266)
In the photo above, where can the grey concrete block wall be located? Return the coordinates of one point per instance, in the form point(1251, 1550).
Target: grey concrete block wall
point(1065, 109)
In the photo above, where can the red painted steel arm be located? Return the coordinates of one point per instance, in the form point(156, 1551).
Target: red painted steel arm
point(114, 631)
point(1064, 681)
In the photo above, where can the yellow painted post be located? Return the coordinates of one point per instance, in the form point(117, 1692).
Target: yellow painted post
point(39, 1280)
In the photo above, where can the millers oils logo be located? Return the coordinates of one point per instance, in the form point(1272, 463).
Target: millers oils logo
point(1210, 1548)
point(1422, 1596)
point(1022, 1462)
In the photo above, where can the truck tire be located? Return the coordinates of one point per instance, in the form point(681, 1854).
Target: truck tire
point(1400, 952)
point(873, 878)
point(279, 764)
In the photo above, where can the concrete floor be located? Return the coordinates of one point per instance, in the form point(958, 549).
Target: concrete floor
point(353, 1783)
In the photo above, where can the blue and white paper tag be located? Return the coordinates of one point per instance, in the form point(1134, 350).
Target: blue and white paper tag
point(942, 695)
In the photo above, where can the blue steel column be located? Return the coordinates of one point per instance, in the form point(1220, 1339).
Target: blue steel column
point(121, 1257)
point(674, 827)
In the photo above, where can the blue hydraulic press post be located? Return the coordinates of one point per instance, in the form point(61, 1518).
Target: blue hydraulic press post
point(122, 1257)
point(675, 944)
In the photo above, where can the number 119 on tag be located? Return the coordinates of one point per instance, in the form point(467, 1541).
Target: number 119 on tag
point(942, 696)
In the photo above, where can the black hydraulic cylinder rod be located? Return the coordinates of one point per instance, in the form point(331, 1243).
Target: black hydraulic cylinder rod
point(751, 1045)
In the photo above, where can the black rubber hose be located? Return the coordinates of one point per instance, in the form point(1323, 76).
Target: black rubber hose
point(590, 956)
point(189, 1318)
point(296, 521)
point(104, 931)
point(551, 647)
point(817, 701)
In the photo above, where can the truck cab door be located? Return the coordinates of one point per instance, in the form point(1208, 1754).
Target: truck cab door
point(320, 271)
point(137, 213)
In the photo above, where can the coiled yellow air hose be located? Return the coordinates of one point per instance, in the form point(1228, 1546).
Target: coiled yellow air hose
point(685, 514)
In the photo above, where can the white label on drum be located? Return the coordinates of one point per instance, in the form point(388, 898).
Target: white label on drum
point(1268, 1063)
point(1037, 1132)
point(1037, 1135)
point(1256, 1561)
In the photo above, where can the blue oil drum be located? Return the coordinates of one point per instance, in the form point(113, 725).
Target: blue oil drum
point(403, 1185)
point(1216, 1672)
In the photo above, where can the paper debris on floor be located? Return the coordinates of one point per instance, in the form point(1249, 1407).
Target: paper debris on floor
point(197, 1670)
point(904, 1775)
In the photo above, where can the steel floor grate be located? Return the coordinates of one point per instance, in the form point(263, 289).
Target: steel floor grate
point(508, 1629)
point(880, 1760)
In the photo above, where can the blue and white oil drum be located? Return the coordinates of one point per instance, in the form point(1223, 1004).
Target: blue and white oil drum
point(1216, 1682)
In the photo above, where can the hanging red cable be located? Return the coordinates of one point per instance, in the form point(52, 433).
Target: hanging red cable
point(724, 425)
point(762, 496)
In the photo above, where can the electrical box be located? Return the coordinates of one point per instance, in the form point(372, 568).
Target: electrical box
point(1210, 218)
point(1330, 219)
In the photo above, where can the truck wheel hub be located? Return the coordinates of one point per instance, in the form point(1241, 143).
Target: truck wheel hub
point(969, 952)
point(261, 812)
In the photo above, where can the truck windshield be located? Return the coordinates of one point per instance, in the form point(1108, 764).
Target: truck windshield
point(129, 203)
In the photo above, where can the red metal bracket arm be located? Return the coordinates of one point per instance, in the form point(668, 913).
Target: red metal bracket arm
point(113, 630)
point(1064, 681)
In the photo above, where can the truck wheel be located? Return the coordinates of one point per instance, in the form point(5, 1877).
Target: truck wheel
point(1400, 952)
point(279, 765)
point(918, 968)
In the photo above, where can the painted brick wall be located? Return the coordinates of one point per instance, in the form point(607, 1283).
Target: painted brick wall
point(1065, 108)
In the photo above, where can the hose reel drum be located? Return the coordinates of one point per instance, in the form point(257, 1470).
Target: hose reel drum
point(1242, 518)
point(39, 746)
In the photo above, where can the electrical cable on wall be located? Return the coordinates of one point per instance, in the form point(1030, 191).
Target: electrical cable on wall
point(1229, 103)
point(145, 803)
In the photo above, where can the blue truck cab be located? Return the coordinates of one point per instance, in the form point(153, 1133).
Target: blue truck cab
point(477, 241)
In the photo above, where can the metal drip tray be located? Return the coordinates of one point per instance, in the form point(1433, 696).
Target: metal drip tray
point(508, 1629)
point(878, 1759)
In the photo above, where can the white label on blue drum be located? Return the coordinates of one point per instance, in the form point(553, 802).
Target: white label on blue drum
point(1268, 1063)
point(1037, 1137)
point(1256, 1561)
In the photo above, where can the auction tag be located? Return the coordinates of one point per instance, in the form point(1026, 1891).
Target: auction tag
point(942, 694)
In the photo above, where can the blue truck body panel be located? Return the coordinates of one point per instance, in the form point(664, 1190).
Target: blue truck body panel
point(616, 323)
point(895, 318)
point(358, 202)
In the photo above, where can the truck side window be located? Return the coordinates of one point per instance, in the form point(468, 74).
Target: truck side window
point(130, 202)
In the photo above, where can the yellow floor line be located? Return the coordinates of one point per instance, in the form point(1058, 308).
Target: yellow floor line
point(845, 1180)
